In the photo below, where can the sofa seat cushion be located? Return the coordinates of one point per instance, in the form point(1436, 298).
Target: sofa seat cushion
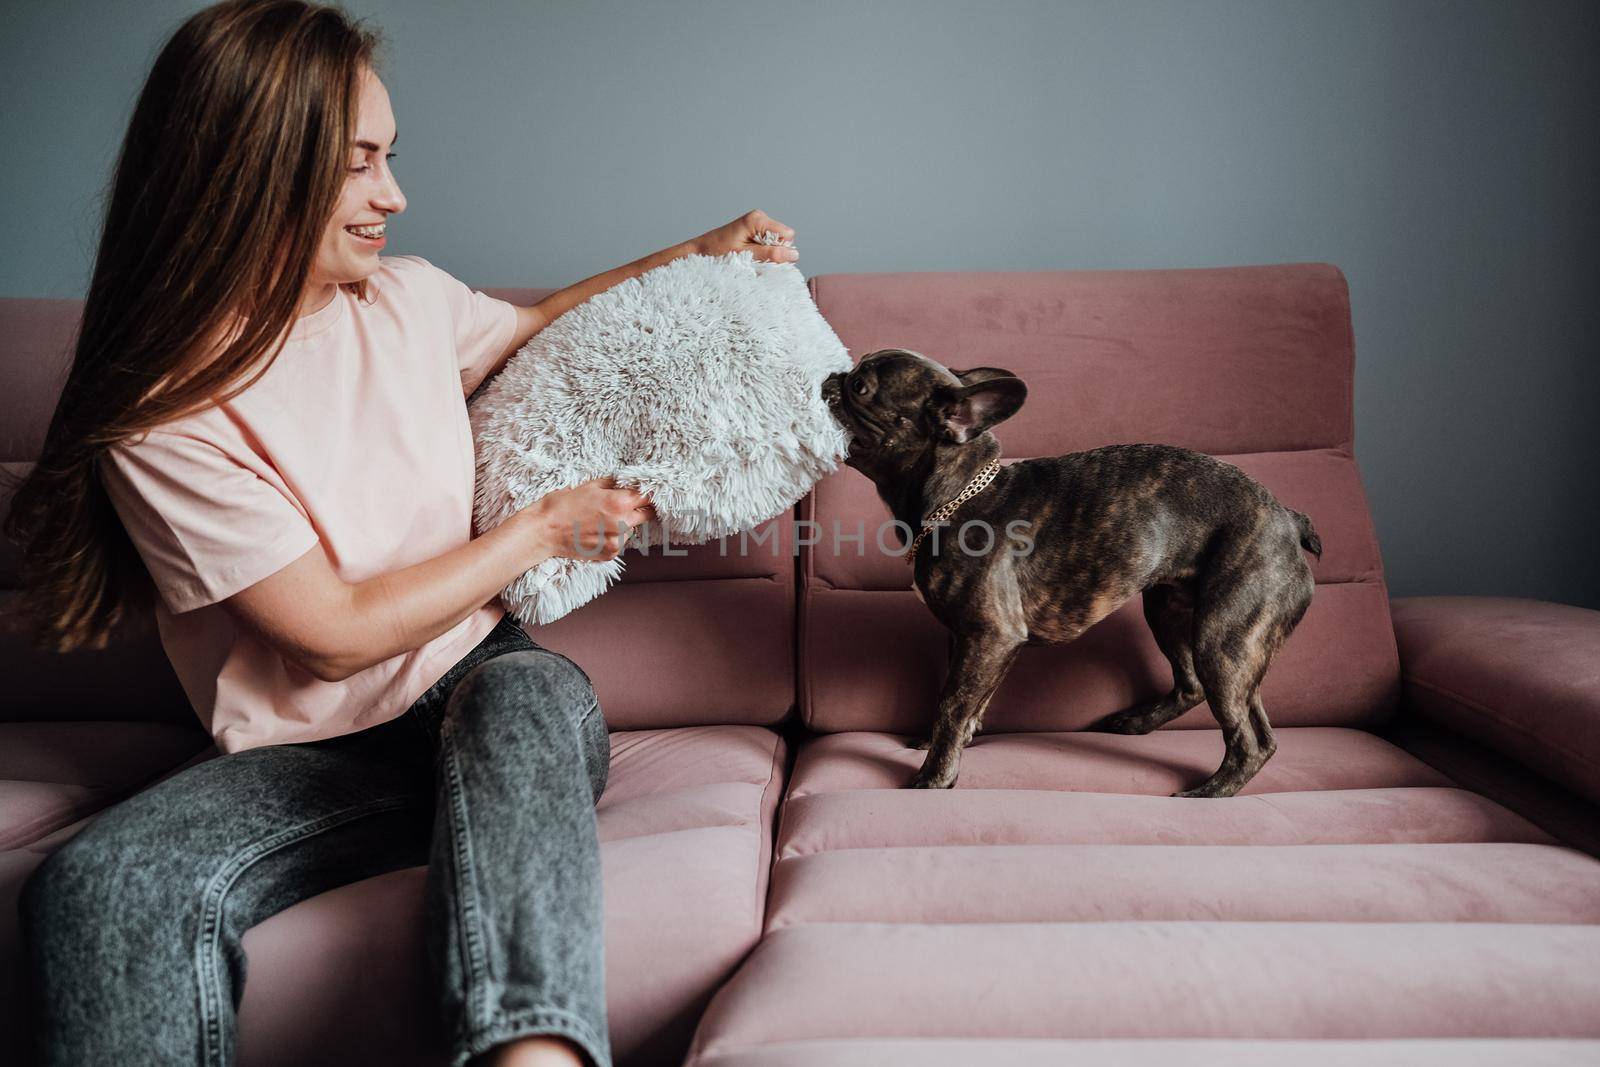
point(1158, 764)
point(54, 773)
point(1038, 1052)
point(1326, 785)
point(1059, 894)
point(1452, 882)
point(686, 844)
point(1231, 980)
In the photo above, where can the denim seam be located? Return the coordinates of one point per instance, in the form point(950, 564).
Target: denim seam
point(206, 948)
point(468, 906)
point(570, 662)
point(528, 1022)
point(583, 721)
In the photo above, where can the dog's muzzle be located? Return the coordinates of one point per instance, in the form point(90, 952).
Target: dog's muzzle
point(833, 389)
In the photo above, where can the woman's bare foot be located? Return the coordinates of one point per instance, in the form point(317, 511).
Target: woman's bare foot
point(539, 1051)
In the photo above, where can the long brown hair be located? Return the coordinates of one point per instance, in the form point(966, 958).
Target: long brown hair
point(238, 144)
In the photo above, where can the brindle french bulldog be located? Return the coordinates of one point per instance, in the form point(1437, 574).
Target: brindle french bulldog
point(1216, 558)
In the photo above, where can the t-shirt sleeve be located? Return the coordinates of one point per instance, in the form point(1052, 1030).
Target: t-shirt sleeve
point(205, 524)
point(483, 326)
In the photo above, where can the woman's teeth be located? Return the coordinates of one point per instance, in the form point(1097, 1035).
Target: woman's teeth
point(373, 232)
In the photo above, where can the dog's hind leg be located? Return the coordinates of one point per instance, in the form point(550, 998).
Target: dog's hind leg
point(1238, 625)
point(1231, 706)
point(1288, 603)
point(1263, 729)
point(1169, 610)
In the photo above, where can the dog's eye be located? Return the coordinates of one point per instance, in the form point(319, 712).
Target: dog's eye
point(860, 387)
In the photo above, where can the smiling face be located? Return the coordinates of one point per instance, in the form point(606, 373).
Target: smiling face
point(355, 233)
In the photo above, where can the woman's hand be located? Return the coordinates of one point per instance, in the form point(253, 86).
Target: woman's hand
point(740, 236)
point(589, 521)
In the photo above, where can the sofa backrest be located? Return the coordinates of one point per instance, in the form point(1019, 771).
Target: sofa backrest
point(1252, 364)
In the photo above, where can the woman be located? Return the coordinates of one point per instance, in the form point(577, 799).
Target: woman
point(263, 437)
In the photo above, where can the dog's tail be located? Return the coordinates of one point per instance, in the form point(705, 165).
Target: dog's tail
point(1308, 533)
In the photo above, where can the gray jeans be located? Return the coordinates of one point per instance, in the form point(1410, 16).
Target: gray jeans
point(133, 927)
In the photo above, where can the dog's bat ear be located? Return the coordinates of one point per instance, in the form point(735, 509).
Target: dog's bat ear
point(969, 411)
point(981, 374)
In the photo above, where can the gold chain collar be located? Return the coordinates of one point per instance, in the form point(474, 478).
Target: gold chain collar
point(948, 508)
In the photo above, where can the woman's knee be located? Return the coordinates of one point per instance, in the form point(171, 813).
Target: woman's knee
point(135, 864)
point(73, 890)
point(528, 705)
point(532, 688)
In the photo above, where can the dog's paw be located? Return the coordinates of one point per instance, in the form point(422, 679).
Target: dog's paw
point(925, 780)
point(1132, 721)
point(1211, 789)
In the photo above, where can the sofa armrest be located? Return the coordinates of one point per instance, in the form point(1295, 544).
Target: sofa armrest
point(1521, 677)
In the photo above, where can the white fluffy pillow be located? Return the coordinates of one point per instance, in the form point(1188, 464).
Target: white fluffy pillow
point(697, 383)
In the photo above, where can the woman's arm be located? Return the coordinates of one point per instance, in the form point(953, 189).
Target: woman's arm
point(738, 235)
point(334, 629)
point(530, 320)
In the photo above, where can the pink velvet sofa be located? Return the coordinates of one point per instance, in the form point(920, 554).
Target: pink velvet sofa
point(1410, 880)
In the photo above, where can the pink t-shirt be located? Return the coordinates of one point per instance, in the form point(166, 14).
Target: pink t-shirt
point(357, 438)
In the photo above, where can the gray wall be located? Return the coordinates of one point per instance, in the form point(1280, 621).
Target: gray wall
point(1443, 154)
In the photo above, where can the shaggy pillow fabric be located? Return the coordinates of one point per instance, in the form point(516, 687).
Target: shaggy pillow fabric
point(697, 383)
